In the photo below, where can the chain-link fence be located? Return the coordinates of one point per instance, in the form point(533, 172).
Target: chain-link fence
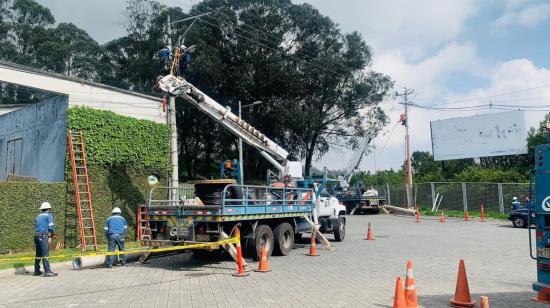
point(458, 196)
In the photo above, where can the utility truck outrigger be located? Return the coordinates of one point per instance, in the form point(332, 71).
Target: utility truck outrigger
point(271, 216)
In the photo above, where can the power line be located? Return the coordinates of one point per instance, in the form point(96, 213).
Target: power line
point(449, 102)
point(262, 41)
point(268, 47)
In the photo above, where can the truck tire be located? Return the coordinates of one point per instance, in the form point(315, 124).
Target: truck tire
point(263, 236)
point(519, 222)
point(340, 231)
point(284, 239)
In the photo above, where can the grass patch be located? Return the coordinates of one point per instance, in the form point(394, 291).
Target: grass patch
point(473, 214)
point(55, 256)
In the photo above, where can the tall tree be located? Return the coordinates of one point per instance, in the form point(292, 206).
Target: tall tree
point(311, 78)
point(28, 21)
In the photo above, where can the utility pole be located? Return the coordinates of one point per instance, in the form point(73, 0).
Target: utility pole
point(174, 181)
point(407, 164)
point(241, 162)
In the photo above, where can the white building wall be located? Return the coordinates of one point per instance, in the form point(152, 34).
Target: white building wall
point(85, 93)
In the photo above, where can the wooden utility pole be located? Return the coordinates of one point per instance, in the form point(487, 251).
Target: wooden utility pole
point(407, 168)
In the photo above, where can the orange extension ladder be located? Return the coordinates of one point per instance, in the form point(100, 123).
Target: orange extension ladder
point(82, 194)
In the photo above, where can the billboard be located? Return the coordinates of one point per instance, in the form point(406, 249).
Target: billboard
point(484, 135)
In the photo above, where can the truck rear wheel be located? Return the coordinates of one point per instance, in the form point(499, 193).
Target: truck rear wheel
point(263, 237)
point(340, 230)
point(284, 239)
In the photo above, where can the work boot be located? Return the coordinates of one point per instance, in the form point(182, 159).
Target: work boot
point(39, 273)
point(50, 274)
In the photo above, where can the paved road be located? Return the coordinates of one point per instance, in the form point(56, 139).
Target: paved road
point(359, 274)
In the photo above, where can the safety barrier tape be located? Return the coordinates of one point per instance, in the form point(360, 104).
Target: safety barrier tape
point(232, 240)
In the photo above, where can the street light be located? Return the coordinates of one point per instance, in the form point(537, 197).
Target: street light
point(241, 162)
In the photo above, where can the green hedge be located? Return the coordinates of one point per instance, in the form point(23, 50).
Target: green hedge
point(19, 205)
point(113, 140)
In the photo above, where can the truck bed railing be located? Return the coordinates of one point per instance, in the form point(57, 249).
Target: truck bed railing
point(251, 199)
point(235, 200)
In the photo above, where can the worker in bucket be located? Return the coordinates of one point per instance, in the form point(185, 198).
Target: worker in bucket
point(515, 203)
point(43, 228)
point(185, 57)
point(115, 228)
point(165, 56)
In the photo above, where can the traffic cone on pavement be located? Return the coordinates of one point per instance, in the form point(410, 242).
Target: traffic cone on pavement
point(313, 246)
point(240, 271)
point(264, 265)
point(467, 216)
point(482, 214)
point(370, 235)
point(442, 217)
point(399, 296)
point(542, 298)
point(462, 296)
point(410, 289)
point(483, 302)
point(417, 215)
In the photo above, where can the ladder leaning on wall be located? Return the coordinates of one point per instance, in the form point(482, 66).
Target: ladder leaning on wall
point(82, 195)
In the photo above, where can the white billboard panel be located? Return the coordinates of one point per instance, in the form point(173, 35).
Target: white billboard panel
point(485, 135)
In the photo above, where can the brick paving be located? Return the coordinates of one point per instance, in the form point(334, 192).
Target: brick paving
point(358, 274)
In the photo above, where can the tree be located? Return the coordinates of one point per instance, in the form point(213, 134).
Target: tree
point(68, 50)
point(28, 21)
point(309, 76)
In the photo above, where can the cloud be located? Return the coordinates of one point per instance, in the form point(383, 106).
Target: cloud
point(429, 75)
point(528, 17)
point(411, 26)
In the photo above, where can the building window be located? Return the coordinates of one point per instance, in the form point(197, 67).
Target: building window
point(15, 154)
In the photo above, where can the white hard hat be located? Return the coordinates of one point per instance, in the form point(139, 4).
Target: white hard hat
point(183, 47)
point(117, 210)
point(45, 206)
point(515, 198)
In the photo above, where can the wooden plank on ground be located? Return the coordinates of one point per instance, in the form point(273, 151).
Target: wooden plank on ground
point(317, 233)
point(232, 250)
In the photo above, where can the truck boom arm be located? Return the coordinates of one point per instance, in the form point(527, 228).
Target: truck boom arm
point(177, 86)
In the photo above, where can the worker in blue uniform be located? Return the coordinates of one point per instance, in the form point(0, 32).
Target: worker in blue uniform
point(516, 205)
point(165, 55)
point(115, 228)
point(43, 228)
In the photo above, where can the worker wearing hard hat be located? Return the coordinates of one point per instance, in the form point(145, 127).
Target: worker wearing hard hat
point(515, 203)
point(43, 228)
point(115, 228)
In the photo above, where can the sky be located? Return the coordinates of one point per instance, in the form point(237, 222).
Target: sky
point(451, 53)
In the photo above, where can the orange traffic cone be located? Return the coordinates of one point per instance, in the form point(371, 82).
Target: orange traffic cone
point(240, 271)
point(370, 235)
point(410, 289)
point(313, 246)
point(399, 296)
point(542, 298)
point(462, 296)
point(483, 302)
point(482, 214)
point(417, 216)
point(264, 265)
point(467, 216)
point(442, 218)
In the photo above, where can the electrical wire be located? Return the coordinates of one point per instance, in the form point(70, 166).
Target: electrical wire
point(262, 41)
point(389, 137)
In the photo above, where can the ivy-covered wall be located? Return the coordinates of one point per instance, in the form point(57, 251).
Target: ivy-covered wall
point(121, 153)
point(19, 205)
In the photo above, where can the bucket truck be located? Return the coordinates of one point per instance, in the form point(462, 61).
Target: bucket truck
point(271, 216)
point(357, 200)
